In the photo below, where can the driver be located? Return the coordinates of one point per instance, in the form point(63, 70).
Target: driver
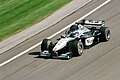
point(74, 28)
point(73, 31)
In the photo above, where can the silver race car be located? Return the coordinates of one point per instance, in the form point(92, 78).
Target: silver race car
point(81, 35)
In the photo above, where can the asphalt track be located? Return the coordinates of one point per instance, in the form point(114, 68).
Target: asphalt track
point(100, 62)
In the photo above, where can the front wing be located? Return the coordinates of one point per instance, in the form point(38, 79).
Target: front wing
point(47, 54)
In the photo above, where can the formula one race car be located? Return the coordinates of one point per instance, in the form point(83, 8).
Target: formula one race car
point(82, 34)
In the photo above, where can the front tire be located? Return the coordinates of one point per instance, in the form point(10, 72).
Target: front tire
point(46, 45)
point(76, 48)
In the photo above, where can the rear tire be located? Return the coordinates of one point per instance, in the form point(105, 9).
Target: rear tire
point(105, 34)
point(76, 48)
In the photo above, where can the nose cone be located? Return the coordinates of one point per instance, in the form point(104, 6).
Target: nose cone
point(61, 44)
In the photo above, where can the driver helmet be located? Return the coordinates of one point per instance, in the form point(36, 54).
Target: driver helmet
point(74, 27)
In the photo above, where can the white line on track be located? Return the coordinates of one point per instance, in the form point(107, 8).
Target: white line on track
point(22, 53)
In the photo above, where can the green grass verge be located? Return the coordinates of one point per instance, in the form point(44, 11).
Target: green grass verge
point(16, 15)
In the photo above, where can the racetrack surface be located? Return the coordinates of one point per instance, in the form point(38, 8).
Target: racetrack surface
point(101, 62)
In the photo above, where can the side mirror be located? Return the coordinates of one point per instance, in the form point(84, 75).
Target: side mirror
point(66, 32)
point(58, 39)
point(62, 36)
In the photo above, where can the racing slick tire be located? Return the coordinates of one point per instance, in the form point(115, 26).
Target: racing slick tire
point(46, 45)
point(76, 48)
point(105, 34)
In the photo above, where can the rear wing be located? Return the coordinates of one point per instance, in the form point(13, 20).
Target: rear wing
point(92, 23)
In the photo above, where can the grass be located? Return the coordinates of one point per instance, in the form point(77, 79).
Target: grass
point(16, 15)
